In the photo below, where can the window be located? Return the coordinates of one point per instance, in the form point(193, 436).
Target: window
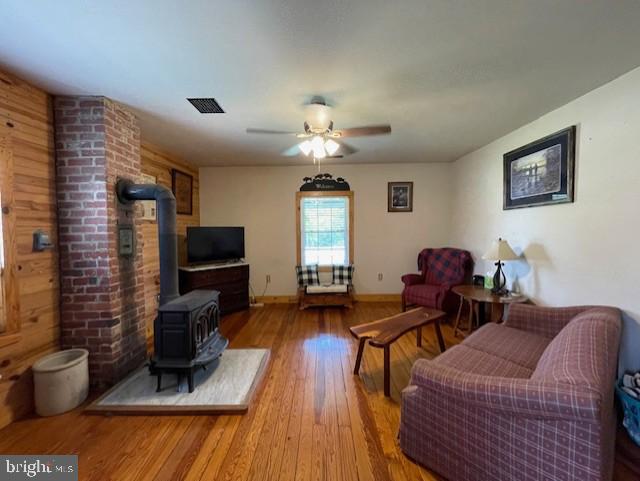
point(325, 234)
point(9, 300)
point(3, 320)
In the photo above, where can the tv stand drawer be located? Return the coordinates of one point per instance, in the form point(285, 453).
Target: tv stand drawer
point(232, 282)
point(218, 275)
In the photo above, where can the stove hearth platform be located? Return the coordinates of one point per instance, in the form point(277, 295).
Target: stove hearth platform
point(226, 388)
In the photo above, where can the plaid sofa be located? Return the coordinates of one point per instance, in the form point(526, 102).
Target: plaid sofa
point(440, 270)
point(530, 399)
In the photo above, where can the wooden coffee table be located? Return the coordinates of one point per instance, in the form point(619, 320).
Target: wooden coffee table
point(384, 332)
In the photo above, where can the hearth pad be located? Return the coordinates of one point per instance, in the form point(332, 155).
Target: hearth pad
point(226, 387)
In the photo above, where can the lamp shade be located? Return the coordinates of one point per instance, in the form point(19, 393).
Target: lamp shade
point(317, 143)
point(331, 146)
point(305, 147)
point(500, 251)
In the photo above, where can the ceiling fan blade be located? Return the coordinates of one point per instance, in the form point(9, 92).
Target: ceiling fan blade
point(291, 151)
point(346, 149)
point(363, 131)
point(267, 131)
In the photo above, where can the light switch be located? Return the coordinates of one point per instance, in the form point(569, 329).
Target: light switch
point(41, 241)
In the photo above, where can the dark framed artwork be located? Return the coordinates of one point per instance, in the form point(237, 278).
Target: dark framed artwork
point(182, 187)
point(400, 197)
point(541, 173)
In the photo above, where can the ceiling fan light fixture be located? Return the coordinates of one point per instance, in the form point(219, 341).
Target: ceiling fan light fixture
point(318, 147)
point(331, 146)
point(317, 116)
point(305, 147)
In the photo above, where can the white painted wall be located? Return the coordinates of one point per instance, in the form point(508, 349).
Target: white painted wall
point(581, 253)
point(262, 199)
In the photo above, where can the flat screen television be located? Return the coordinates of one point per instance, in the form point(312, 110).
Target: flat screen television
point(214, 244)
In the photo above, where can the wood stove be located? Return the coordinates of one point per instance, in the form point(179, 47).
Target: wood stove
point(186, 335)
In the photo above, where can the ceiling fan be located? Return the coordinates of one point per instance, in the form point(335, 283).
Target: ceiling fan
point(319, 136)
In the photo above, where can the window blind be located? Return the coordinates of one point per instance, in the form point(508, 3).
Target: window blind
point(324, 230)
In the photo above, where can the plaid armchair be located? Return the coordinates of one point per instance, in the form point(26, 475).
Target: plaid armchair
point(529, 400)
point(440, 270)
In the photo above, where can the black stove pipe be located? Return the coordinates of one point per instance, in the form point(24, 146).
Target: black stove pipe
point(128, 192)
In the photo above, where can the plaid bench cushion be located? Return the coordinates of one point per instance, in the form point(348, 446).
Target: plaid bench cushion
point(331, 289)
point(307, 276)
point(343, 275)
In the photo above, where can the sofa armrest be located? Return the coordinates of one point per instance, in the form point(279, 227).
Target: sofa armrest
point(544, 321)
point(512, 396)
point(412, 279)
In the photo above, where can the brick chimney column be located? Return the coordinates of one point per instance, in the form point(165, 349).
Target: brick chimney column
point(102, 293)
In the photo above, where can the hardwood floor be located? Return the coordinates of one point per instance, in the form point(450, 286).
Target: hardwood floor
point(312, 419)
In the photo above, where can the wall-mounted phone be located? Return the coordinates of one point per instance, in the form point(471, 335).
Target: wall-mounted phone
point(41, 241)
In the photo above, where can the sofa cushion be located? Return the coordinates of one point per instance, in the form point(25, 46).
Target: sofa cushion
point(470, 360)
point(514, 345)
point(584, 352)
point(422, 294)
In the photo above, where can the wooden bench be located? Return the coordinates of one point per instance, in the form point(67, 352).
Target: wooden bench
point(306, 299)
point(384, 332)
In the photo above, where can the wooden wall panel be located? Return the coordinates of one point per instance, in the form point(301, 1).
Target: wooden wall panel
point(159, 164)
point(26, 118)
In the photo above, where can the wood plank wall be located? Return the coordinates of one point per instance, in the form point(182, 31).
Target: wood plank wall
point(26, 118)
point(29, 111)
point(159, 164)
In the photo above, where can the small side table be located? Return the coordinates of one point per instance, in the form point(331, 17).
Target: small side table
point(477, 297)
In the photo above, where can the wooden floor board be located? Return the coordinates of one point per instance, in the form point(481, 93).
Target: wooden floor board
point(208, 448)
point(311, 419)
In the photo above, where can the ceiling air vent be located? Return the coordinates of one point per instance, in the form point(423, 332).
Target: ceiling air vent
point(207, 106)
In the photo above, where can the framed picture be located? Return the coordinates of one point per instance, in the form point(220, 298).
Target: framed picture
point(182, 187)
point(400, 197)
point(540, 173)
point(148, 206)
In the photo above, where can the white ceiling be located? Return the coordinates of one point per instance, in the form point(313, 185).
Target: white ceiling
point(449, 76)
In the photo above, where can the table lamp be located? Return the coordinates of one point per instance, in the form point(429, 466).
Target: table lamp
point(500, 251)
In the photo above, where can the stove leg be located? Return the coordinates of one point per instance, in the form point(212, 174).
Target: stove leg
point(179, 374)
point(190, 380)
point(159, 387)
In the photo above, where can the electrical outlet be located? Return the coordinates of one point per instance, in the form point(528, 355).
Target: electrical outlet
point(379, 276)
point(268, 278)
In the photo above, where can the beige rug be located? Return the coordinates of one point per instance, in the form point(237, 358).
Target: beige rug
point(225, 387)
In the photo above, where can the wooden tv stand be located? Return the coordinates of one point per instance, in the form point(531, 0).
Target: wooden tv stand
point(231, 280)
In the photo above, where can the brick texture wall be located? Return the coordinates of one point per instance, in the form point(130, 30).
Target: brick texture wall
point(102, 294)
